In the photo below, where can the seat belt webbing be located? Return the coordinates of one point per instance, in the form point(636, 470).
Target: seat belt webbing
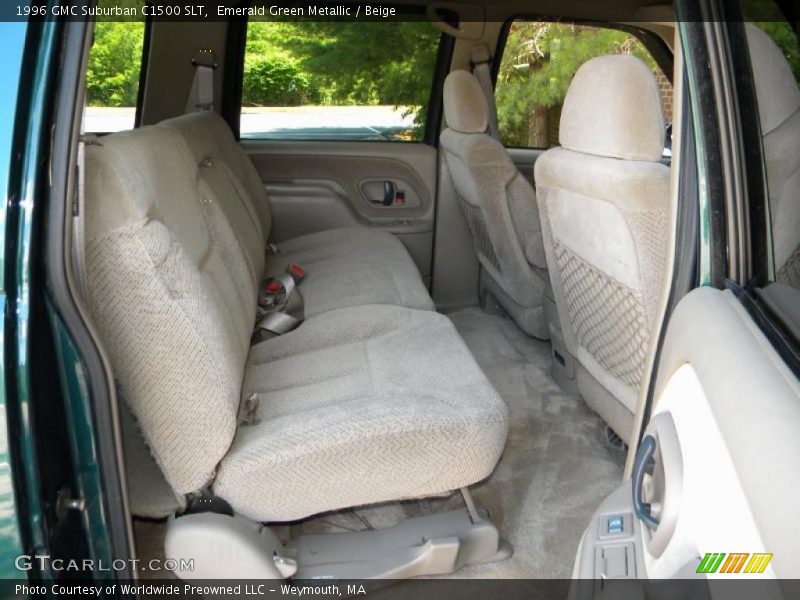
point(481, 60)
point(201, 95)
point(278, 323)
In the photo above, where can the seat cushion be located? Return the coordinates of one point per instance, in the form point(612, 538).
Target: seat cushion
point(363, 405)
point(352, 267)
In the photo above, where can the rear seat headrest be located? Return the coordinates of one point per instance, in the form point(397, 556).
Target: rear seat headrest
point(776, 87)
point(613, 109)
point(465, 107)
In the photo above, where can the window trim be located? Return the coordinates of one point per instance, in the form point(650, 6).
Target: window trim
point(760, 269)
point(233, 77)
point(754, 252)
point(435, 116)
point(234, 84)
point(712, 252)
point(144, 65)
point(657, 47)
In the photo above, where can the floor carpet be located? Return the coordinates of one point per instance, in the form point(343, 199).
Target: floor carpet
point(556, 467)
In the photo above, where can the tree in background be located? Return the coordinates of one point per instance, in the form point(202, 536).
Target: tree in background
point(115, 60)
point(538, 64)
point(273, 75)
point(339, 63)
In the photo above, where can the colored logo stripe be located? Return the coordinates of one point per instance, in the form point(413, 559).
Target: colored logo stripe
point(713, 562)
point(734, 563)
point(758, 563)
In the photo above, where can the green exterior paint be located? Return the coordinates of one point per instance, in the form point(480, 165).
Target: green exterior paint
point(84, 451)
point(32, 140)
point(22, 526)
point(12, 41)
point(29, 67)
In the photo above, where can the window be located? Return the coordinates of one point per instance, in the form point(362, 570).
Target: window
point(774, 53)
point(113, 73)
point(536, 68)
point(337, 80)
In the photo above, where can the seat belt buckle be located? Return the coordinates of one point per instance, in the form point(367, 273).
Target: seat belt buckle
point(276, 290)
point(271, 293)
point(296, 271)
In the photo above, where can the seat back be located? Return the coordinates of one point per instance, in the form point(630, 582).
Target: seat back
point(603, 197)
point(230, 174)
point(170, 292)
point(498, 203)
point(779, 111)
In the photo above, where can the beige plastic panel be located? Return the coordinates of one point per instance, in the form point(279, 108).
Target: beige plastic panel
point(735, 409)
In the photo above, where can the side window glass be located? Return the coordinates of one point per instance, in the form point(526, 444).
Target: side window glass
point(113, 73)
point(536, 68)
point(775, 58)
point(337, 80)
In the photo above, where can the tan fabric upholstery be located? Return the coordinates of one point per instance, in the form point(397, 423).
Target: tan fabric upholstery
point(623, 90)
point(346, 267)
point(360, 406)
point(210, 139)
point(353, 267)
point(465, 107)
point(170, 295)
point(779, 111)
point(499, 206)
point(605, 228)
point(357, 405)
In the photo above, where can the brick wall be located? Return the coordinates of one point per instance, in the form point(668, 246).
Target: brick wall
point(666, 95)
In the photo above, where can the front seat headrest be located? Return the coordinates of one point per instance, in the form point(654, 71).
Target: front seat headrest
point(465, 107)
point(613, 109)
point(776, 89)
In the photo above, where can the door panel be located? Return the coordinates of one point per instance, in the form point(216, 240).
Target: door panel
point(314, 186)
point(731, 481)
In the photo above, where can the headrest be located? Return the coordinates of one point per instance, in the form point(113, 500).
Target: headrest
point(613, 108)
point(776, 89)
point(465, 108)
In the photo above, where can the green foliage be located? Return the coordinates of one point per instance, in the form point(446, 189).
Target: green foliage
point(275, 79)
point(339, 63)
point(539, 62)
point(115, 60)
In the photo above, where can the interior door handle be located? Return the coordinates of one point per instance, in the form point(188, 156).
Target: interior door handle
point(388, 193)
point(643, 458)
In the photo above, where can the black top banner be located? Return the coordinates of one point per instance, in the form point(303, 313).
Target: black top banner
point(343, 10)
